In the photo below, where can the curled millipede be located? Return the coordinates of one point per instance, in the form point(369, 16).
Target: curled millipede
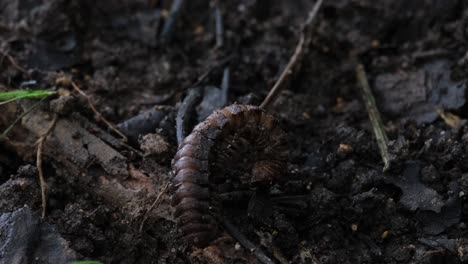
point(213, 148)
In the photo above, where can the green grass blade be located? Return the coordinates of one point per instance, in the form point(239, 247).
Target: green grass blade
point(6, 97)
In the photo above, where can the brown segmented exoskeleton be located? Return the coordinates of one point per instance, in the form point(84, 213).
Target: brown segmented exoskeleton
point(214, 145)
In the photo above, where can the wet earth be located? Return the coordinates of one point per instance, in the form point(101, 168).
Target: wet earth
point(143, 66)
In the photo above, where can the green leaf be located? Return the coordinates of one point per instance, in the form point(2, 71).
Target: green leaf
point(6, 97)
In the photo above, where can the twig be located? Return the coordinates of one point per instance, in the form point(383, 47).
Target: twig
point(304, 39)
point(374, 116)
point(312, 15)
point(164, 189)
point(42, 183)
point(225, 85)
point(219, 26)
point(274, 92)
point(187, 106)
point(429, 54)
point(97, 114)
point(168, 28)
point(246, 243)
point(27, 111)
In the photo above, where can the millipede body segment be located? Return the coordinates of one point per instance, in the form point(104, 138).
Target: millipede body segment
point(216, 143)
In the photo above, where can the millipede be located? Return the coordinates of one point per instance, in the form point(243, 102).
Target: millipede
point(242, 136)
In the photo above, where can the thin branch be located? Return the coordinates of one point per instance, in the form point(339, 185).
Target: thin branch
point(304, 39)
point(40, 145)
point(188, 106)
point(374, 116)
point(225, 85)
point(246, 243)
point(219, 26)
point(312, 15)
point(279, 85)
point(168, 28)
point(164, 189)
point(97, 114)
point(429, 54)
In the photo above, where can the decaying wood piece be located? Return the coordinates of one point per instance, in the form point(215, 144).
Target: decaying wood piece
point(100, 169)
point(74, 146)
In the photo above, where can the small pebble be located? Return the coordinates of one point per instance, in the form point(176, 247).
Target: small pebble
point(237, 246)
point(344, 149)
point(385, 234)
point(154, 144)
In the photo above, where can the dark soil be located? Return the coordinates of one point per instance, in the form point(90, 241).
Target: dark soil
point(336, 206)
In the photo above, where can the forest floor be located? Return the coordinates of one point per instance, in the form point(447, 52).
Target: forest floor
point(111, 61)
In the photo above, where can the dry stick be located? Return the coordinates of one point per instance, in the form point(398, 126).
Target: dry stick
point(42, 183)
point(168, 28)
point(219, 26)
point(225, 85)
point(234, 232)
point(97, 114)
point(219, 44)
point(279, 85)
point(429, 54)
point(152, 206)
point(295, 59)
point(374, 116)
point(188, 105)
